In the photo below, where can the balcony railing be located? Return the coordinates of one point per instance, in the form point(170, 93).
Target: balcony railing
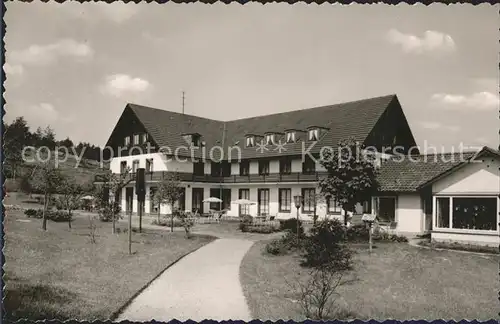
point(251, 178)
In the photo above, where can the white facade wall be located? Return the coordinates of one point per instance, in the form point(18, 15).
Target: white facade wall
point(409, 214)
point(473, 179)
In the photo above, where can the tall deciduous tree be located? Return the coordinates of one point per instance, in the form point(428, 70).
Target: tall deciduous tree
point(16, 137)
point(108, 192)
point(47, 180)
point(351, 175)
point(169, 192)
point(71, 193)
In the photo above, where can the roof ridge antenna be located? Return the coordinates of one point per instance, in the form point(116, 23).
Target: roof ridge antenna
point(183, 101)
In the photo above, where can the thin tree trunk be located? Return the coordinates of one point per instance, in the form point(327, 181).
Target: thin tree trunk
point(158, 215)
point(172, 218)
point(69, 218)
point(113, 220)
point(44, 214)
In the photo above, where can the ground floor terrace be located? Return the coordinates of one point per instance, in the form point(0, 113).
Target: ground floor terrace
point(269, 200)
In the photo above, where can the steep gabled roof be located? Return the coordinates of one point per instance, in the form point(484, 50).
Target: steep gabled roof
point(351, 119)
point(167, 127)
point(419, 171)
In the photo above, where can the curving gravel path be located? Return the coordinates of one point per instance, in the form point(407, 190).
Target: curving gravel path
point(203, 285)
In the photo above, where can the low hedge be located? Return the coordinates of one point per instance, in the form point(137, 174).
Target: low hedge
point(55, 216)
point(248, 225)
point(263, 229)
point(167, 222)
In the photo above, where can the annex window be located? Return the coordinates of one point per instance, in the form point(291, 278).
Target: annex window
point(386, 209)
point(285, 200)
point(263, 167)
point(313, 134)
point(467, 213)
point(332, 206)
point(308, 196)
point(250, 141)
point(443, 212)
point(290, 137)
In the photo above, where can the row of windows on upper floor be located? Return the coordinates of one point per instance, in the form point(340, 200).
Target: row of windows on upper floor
point(137, 139)
point(313, 134)
point(291, 136)
point(224, 168)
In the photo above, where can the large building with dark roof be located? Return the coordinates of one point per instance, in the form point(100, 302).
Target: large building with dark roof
point(272, 158)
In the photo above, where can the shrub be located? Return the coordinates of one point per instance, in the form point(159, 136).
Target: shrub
point(30, 212)
point(326, 248)
point(58, 216)
point(291, 225)
point(358, 233)
point(287, 243)
point(245, 221)
point(34, 213)
point(383, 236)
point(166, 222)
point(275, 247)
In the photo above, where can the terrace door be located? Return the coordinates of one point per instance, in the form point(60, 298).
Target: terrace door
point(129, 198)
point(244, 209)
point(386, 209)
point(263, 201)
point(198, 200)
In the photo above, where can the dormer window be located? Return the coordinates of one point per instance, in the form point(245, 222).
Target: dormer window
point(136, 139)
point(313, 134)
point(269, 139)
point(250, 141)
point(127, 141)
point(193, 139)
point(290, 137)
point(144, 138)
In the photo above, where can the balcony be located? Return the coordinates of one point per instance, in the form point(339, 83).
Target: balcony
point(251, 178)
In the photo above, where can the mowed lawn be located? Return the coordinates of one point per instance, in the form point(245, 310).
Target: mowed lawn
point(60, 274)
point(396, 281)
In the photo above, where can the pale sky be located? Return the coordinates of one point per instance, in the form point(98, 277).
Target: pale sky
point(75, 66)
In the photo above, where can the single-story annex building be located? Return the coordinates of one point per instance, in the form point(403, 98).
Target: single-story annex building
point(453, 196)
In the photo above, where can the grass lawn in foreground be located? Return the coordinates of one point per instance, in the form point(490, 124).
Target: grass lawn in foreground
point(60, 274)
point(396, 281)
